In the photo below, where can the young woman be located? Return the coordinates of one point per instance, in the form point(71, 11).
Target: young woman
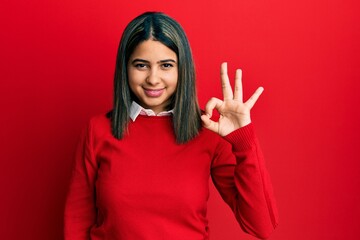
point(142, 170)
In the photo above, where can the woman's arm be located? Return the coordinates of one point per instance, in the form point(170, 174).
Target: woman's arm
point(80, 210)
point(243, 181)
point(239, 174)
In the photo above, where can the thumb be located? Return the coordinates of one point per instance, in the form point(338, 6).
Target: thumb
point(209, 124)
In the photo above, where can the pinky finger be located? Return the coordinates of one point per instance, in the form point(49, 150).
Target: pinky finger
point(252, 100)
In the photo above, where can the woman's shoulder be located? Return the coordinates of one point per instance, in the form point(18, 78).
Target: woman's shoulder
point(100, 119)
point(100, 125)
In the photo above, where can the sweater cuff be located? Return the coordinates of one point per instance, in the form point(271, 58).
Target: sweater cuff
point(243, 138)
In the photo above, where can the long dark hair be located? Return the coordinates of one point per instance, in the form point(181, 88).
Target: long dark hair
point(162, 28)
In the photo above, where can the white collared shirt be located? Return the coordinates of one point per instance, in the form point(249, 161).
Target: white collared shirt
point(136, 110)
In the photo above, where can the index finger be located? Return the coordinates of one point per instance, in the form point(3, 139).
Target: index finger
point(225, 83)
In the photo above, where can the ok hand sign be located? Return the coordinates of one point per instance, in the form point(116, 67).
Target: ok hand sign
point(234, 113)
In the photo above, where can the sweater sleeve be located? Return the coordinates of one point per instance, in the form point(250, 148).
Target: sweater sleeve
point(80, 210)
point(244, 183)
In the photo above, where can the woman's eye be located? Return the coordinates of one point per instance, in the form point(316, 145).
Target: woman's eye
point(140, 65)
point(167, 65)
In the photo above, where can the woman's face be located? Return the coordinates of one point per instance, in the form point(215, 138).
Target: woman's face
point(153, 74)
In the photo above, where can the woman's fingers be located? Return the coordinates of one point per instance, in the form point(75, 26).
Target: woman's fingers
point(211, 104)
point(210, 124)
point(238, 91)
point(234, 112)
point(252, 100)
point(225, 82)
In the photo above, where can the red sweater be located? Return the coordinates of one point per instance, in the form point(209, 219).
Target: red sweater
point(147, 187)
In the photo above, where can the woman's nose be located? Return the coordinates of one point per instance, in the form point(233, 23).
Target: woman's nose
point(153, 77)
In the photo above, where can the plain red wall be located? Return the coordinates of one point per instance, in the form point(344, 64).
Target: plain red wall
point(57, 64)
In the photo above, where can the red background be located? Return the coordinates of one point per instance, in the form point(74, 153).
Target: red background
point(57, 64)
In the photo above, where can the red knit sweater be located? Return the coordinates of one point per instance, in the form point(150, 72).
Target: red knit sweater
point(147, 187)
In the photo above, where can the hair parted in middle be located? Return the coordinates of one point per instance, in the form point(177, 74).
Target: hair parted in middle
point(158, 27)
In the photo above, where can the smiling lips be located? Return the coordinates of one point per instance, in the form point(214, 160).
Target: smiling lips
point(154, 92)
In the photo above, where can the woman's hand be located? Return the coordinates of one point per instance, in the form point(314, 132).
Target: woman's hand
point(234, 113)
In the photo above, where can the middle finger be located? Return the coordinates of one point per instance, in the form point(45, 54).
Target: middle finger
point(238, 91)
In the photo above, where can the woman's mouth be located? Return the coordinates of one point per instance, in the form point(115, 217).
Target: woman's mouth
point(153, 92)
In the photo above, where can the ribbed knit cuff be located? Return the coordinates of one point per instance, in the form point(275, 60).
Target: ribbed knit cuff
point(243, 138)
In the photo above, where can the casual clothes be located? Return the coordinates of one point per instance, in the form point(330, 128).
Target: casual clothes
point(146, 186)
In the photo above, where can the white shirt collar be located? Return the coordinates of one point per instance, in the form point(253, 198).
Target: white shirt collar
point(136, 110)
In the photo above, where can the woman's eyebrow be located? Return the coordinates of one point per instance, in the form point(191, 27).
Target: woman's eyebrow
point(167, 60)
point(139, 60)
point(146, 61)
